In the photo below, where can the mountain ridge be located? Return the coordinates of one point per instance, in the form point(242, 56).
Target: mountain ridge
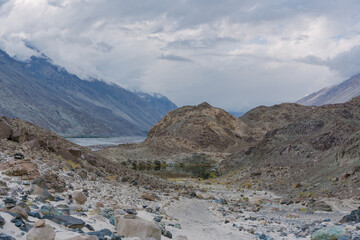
point(340, 93)
point(46, 94)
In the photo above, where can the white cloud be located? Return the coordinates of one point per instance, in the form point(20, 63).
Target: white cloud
point(233, 54)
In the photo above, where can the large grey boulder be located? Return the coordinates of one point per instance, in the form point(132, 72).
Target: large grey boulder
point(41, 233)
point(136, 227)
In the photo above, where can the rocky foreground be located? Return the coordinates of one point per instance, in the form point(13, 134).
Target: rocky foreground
point(98, 209)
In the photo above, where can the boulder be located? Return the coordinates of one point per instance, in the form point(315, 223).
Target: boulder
point(20, 211)
point(148, 196)
point(67, 221)
point(321, 206)
point(83, 238)
point(79, 197)
point(5, 129)
point(41, 233)
point(27, 169)
point(208, 196)
point(137, 227)
point(332, 232)
point(76, 152)
point(354, 216)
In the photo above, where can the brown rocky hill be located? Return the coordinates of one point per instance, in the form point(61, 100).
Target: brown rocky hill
point(198, 128)
point(262, 119)
point(305, 151)
point(37, 146)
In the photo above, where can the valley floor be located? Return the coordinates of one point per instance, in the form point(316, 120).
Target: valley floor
point(211, 212)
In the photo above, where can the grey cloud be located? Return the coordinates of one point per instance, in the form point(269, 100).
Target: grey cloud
point(346, 63)
point(244, 50)
point(103, 46)
point(200, 43)
point(172, 57)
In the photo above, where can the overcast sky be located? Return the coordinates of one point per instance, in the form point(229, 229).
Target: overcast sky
point(233, 54)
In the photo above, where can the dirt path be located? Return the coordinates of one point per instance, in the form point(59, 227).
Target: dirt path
point(198, 222)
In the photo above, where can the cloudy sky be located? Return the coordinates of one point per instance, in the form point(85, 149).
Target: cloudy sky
point(233, 54)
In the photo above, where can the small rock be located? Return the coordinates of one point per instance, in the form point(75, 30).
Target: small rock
point(158, 218)
point(19, 156)
point(168, 234)
point(40, 223)
point(2, 221)
point(3, 236)
point(286, 201)
point(9, 203)
point(131, 211)
point(79, 197)
point(148, 196)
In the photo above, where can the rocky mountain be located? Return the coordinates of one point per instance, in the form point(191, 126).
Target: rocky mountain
point(45, 94)
point(302, 150)
point(51, 189)
point(341, 93)
point(158, 102)
point(197, 128)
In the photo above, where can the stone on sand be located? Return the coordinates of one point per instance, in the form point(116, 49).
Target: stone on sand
point(137, 227)
point(41, 233)
point(79, 197)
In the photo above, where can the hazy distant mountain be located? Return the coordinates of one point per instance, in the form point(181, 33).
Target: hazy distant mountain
point(158, 102)
point(341, 93)
point(237, 114)
point(47, 95)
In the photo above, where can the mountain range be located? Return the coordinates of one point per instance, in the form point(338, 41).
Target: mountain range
point(38, 91)
point(340, 93)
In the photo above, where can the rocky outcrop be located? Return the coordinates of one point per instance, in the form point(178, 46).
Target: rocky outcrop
point(5, 129)
point(307, 145)
point(26, 169)
point(197, 128)
point(64, 154)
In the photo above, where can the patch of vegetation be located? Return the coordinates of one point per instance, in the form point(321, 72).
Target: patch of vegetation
point(73, 164)
point(8, 173)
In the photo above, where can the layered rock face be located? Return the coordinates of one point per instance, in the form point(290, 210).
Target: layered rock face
point(197, 128)
point(303, 147)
